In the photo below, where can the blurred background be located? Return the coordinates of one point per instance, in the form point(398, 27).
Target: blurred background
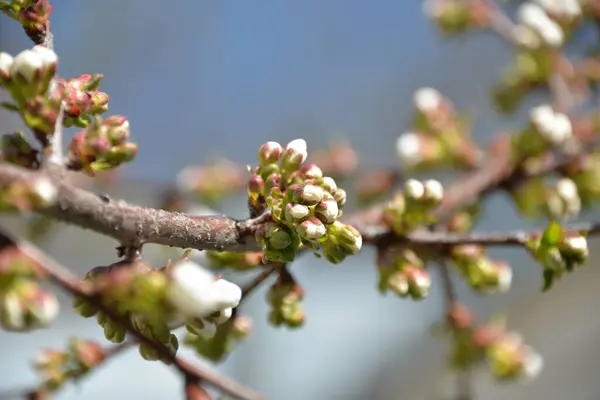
point(200, 79)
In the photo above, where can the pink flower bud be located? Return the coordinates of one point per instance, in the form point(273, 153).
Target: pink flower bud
point(269, 153)
point(311, 229)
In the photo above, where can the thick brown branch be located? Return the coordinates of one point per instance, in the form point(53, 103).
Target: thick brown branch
point(63, 278)
point(133, 225)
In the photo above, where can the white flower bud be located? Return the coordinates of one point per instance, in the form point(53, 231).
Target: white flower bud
point(45, 191)
point(44, 309)
point(562, 128)
point(329, 184)
point(195, 293)
point(12, 312)
point(312, 193)
point(531, 15)
point(533, 363)
point(297, 211)
point(434, 190)
point(567, 189)
point(224, 316)
point(311, 229)
point(408, 149)
point(297, 147)
point(413, 189)
point(6, 60)
point(526, 37)
point(427, 99)
point(47, 56)
point(579, 245)
point(505, 275)
point(327, 210)
point(551, 33)
point(567, 8)
point(555, 127)
point(26, 64)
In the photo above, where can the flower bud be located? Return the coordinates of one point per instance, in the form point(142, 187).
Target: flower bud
point(327, 211)
point(312, 171)
point(398, 283)
point(413, 190)
point(294, 155)
point(269, 153)
point(311, 229)
point(296, 212)
point(242, 327)
point(347, 236)
point(312, 194)
point(6, 61)
point(419, 282)
point(575, 249)
point(329, 184)
point(434, 191)
point(427, 100)
point(256, 187)
point(340, 196)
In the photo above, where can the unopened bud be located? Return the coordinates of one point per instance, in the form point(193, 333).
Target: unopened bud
point(434, 191)
point(311, 229)
point(419, 282)
point(327, 211)
point(312, 171)
point(294, 155)
point(340, 196)
point(296, 212)
point(329, 184)
point(413, 189)
point(269, 153)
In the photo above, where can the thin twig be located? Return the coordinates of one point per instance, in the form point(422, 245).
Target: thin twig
point(63, 278)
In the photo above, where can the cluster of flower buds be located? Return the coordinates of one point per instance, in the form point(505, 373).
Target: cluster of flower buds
point(506, 354)
point(16, 149)
point(101, 146)
point(482, 273)
point(211, 183)
point(58, 367)
point(82, 99)
point(563, 200)
point(547, 129)
point(585, 172)
point(285, 297)
point(136, 292)
point(541, 29)
point(26, 306)
point(405, 274)
point(236, 260)
point(439, 137)
point(456, 16)
point(413, 206)
point(304, 205)
point(559, 252)
point(28, 74)
point(33, 15)
point(27, 195)
point(216, 344)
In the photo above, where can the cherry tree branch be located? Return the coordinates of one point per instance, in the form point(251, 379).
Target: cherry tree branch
point(59, 275)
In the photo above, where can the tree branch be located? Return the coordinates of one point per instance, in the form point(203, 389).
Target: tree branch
point(62, 277)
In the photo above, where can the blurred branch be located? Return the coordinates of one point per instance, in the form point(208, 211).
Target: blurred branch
point(63, 278)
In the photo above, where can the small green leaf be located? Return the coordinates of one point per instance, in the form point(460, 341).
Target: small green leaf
point(9, 106)
point(552, 235)
point(549, 276)
point(186, 253)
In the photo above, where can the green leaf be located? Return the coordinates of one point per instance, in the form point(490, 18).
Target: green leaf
point(549, 276)
point(9, 106)
point(552, 235)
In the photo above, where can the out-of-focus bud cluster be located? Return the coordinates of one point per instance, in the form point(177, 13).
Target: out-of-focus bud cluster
point(457, 16)
point(28, 74)
point(135, 292)
point(559, 252)
point(57, 367)
point(235, 260)
point(585, 173)
point(508, 357)
point(26, 195)
point(285, 297)
point(546, 129)
point(481, 273)
point(338, 160)
point(103, 145)
point(34, 15)
point(413, 205)
point(82, 99)
point(439, 138)
point(404, 273)
point(211, 183)
point(535, 198)
point(24, 304)
point(304, 205)
point(374, 186)
point(16, 149)
point(215, 343)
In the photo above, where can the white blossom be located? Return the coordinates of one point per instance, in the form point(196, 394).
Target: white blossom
point(578, 244)
point(555, 127)
point(299, 147)
point(427, 99)
point(408, 149)
point(533, 16)
point(567, 8)
point(414, 189)
point(195, 293)
point(434, 190)
point(6, 60)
